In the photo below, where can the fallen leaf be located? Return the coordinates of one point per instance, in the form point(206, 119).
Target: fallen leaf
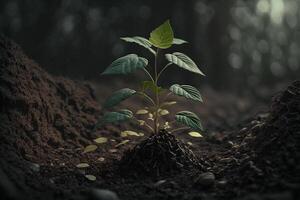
point(113, 150)
point(195, 134)
point(82, 165)
point(101, 140)
point(129, 133)
point(101, 159)
point(90, 177)
point(90, 148)
point(141, 112)
point(122, 143)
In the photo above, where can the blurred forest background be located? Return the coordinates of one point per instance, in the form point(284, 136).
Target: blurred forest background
point(239, 44)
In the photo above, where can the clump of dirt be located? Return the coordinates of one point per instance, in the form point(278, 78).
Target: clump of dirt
point(266, 156)
point(158, 155)
point(39, 114)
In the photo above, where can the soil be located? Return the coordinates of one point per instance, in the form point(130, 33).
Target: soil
point(47, 121)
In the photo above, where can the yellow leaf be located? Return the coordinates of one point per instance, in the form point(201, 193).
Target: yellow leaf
point(90, 148)
point(150, 116)
point(122, 143)
point(195, 134)
point(101, 140)
point(141, 134)
point(163, 112)
point(189, 143)
point(90, 177)
point(141, 122)
point(101, 159)
point(130, 133)
point(141, 112)
point(82, 165)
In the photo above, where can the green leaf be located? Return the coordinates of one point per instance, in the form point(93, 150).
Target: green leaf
point(150, 85)
point(183, 61)
point(126, 64)
point(118, 96)
point(113, 117)
point(140, 41)
point(187, 91)
point(162, 36)
point(189, 119)
point(179, 41)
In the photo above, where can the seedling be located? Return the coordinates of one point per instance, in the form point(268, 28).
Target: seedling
point(158, 99)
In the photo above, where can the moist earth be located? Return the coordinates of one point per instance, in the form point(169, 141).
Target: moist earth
point(47, 121)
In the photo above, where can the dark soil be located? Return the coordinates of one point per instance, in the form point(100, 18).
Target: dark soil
point(46, 122)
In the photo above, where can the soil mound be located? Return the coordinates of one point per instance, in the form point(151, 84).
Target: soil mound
point(159, 155)
point(39, 114)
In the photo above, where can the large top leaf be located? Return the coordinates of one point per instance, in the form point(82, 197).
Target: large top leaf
point(126, 64)
point(187, 91)
point(112, 117)
point(189, 119)
point(162, 36)
point(140, 41)
point(179, 41)
point(118, 96)
point(184, 62)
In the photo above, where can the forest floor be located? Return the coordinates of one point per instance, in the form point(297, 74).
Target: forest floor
point(250, 150)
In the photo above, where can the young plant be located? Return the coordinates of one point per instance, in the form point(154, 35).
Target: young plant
point(161, 38)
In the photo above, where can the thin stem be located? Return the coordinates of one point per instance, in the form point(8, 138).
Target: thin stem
point(147, 97)
point(148, 73)
point(166, 97)
point(165, 67)
point(179, 129)
point(147, 125)
point(156, 94)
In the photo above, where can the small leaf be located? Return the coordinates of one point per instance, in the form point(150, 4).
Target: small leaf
point(140, 41)
point(150, 116)
point(141, 122)
point(189, 143)
point(167, 125)
point(187, 91)
point(129, 133)
point(179, 41)
point(150, 85)
point(163, 112)
point(162, 36)
point(118, 96)
point(183, 61)
point(141, 112)
point(168, 103)
point(90, 177)
point(101, 140)
point(101, 159)
point(113, 117)
point(82, 165)
point(189, 119)
point(90, 148)
point(122, 143)
point(195, 134)
point(141, 134)
point(126, 64)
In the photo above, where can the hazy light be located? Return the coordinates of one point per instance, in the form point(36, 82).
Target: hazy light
point(263, 6)
point(235, 61)
point(277, 69)
point(277, 11)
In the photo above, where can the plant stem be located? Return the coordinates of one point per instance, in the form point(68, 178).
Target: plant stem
point(156, 93)
point(148, 73)
point(147, 97)
point(165, 67)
